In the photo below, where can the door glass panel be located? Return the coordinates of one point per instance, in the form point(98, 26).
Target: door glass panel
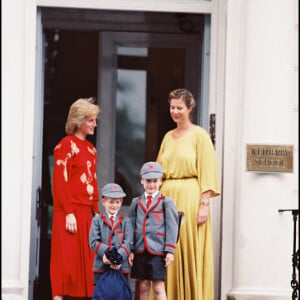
point(130, 128)
point(133, 51)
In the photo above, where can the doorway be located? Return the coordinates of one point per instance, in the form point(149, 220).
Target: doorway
point(75, 67)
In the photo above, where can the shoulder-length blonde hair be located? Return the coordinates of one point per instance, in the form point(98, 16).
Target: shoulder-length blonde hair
point(79, 110)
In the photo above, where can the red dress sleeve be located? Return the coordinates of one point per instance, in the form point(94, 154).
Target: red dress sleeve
point(61, 174)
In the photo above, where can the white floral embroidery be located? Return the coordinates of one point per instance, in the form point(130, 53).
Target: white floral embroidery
point(74, 148)
point(92, 151)
point(90, 190)
point(64, 163)
point(83, 178)
point(88, 164)
point(88, 180)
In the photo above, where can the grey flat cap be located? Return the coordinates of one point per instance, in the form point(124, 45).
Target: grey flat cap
point(151, 170)
point(112, 190)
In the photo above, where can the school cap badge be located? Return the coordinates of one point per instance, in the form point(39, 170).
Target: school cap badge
point(151, 170)
point(112, 190)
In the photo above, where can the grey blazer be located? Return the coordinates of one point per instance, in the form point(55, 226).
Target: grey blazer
point(103, 235)
point(155, 228)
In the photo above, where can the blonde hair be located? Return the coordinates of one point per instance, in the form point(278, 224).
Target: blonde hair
point(79, 110)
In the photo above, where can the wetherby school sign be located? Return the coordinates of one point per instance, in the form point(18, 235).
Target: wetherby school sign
point(270, 158)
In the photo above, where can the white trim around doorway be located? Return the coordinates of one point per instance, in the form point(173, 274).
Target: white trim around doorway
point(188, 6)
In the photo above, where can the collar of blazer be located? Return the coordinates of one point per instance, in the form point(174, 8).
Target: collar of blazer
point(106, 220)
point(154, 203)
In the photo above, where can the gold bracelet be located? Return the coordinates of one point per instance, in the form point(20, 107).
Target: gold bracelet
point(205, 202)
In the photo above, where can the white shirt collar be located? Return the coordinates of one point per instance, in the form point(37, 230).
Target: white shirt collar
point(153, 195)
point(109, 215)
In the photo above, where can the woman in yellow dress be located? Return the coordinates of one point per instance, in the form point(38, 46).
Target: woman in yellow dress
point(190, 177)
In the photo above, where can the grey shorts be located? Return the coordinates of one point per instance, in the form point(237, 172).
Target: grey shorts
point(147, 266)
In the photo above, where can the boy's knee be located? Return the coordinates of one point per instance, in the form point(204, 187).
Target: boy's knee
point(158, 287)
point(145, 286)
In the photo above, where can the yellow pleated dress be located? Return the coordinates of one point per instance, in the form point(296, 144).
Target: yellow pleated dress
point(190, 168)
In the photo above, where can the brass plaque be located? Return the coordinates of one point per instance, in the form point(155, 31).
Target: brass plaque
point(270, 158)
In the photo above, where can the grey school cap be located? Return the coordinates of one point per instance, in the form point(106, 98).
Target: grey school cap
point(151, 170)
point(112, 190)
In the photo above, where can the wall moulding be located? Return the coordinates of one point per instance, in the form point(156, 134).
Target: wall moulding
point(251, 295)
point(12, 290)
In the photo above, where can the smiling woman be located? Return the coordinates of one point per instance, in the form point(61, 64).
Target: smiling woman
point(75, 195)
point(190, 178)
point(87, 127)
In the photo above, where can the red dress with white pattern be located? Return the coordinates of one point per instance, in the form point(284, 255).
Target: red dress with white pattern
point(75, 190)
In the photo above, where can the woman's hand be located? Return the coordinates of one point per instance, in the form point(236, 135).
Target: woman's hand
point(203, 210)
point(202, 215)
point(71, 223)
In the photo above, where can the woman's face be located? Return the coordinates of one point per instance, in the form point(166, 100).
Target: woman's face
point(179, 111)
point(88, 126)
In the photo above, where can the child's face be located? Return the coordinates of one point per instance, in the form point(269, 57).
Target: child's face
point(151, 185)
point(112, 205)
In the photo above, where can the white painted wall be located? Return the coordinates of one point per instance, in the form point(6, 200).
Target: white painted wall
point(261, 107)
point(18, 34)
point(12, 142)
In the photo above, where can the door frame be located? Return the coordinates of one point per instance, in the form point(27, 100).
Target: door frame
point(215, 11)
point(35, 230)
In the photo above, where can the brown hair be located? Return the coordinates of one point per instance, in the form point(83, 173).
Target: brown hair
point(79, 110)
point(183, 94)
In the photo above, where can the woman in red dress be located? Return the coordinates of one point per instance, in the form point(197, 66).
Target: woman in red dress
point(75, 197)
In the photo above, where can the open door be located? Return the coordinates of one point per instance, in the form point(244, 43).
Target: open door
point(136, 73)
point(35, 233)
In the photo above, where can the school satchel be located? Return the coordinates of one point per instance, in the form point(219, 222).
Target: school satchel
point(180, 221)
point(112, 284)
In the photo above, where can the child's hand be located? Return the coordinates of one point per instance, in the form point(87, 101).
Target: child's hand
point(169, 258)
point(130, 258)
point(115, 267)
point(106, 261)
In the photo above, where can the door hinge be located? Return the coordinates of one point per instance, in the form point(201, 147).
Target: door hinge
point(38, 206)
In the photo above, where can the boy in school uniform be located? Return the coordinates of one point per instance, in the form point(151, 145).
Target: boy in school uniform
point(155, 221)
point(111, 230)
